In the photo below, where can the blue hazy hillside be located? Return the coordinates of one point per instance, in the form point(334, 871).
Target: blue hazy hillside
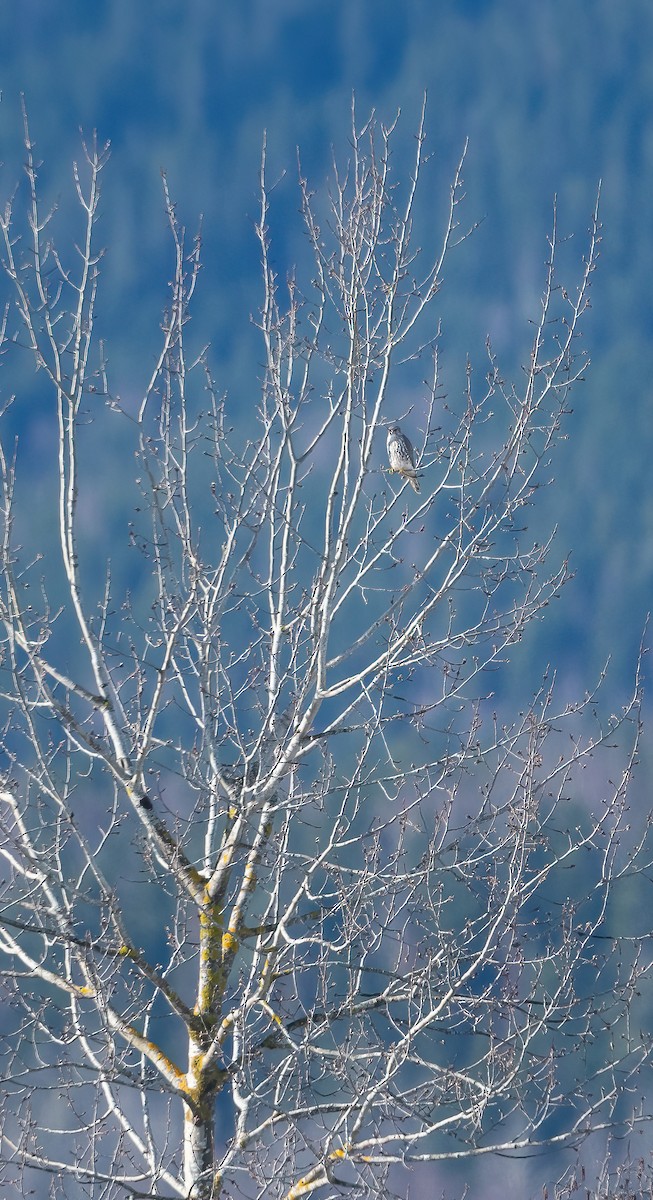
point(552, 97)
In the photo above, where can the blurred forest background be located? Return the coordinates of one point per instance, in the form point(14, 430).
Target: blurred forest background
point(553, 98)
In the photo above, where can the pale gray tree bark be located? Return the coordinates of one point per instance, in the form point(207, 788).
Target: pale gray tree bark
point(285, 902)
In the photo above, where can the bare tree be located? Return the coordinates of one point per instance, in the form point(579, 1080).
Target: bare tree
point(285, 901)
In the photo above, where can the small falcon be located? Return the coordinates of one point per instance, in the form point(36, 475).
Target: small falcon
point(401, 456)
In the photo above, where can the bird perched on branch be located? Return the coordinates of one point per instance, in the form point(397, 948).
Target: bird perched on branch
point(402, 456)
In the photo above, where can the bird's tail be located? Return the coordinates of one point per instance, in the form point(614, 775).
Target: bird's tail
point(414, 483)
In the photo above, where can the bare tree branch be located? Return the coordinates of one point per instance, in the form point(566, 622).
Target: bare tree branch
point(288, 899)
